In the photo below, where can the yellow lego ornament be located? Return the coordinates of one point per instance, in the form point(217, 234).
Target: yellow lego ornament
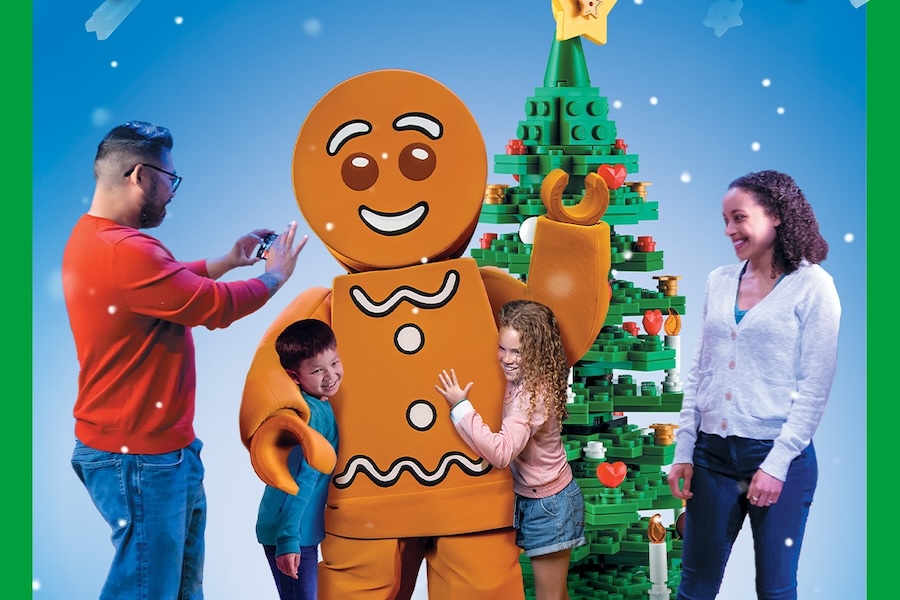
point(389, 171)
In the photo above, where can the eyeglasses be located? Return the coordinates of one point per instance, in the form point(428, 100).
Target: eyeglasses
point(176, 179)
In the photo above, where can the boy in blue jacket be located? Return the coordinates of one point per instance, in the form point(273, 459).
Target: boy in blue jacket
point(290, 528)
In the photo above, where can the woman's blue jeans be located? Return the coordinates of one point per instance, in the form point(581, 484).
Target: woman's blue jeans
point(156, 507)
point(723, 468)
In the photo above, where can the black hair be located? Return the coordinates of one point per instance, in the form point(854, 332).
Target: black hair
point(302, 340)
point(135, 140)
point(797, 237)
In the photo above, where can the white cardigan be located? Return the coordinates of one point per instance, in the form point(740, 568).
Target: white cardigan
point(769, 376)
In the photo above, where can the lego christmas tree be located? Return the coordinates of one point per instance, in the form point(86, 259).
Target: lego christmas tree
point(618, 465)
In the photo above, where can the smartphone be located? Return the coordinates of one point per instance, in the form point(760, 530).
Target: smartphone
point(264, 246)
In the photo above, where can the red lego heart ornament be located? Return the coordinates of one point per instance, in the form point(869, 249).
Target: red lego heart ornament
point(652, 321)
point(613, 175)
point(611, 474)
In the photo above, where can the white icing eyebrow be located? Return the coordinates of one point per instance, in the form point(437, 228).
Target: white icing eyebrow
point(425, 123)
point(348, 130)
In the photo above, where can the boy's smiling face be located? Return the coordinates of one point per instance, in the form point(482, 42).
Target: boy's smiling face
point(319, 376)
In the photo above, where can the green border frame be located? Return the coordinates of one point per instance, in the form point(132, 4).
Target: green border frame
point(15, 503)
point(881, 152)
point(882, 17)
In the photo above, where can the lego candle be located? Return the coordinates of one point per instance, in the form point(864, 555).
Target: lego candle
point(658, 559)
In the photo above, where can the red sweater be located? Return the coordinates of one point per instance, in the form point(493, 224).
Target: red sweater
point(131, 306)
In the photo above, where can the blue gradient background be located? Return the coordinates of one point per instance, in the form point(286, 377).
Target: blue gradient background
point(234, 82)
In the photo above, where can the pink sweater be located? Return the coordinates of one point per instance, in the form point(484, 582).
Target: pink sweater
point(532, 448)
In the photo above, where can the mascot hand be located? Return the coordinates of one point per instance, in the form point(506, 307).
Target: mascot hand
point(588, 211)
point(274, 440)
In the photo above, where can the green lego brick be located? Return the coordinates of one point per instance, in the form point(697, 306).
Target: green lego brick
point(488, 209)
point(656, 365)
point(612, 518)
point(640, 266)
point(605, 545)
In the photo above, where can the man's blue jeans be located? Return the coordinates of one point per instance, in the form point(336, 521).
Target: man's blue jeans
point(156, 507)
point(723, 468)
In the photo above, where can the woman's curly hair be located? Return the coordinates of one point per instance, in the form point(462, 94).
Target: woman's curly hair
point(543, 365)
point(797, 237)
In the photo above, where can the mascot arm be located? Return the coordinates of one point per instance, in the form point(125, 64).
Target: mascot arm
point(500, 288)
point(570, 261)
point(274, 416)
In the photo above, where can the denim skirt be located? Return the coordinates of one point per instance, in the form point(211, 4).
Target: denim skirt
point(551, 524)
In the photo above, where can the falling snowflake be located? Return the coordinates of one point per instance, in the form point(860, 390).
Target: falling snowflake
point(755, 146)
point(114, 64)
point(100, 117)
point(788, 542)
point(724, 15)
point(159, 405)
point(111, 309)
point(654, 100)
point(766, 82)
point(124, 449)
point(54, 285)
point(312, 27)
point(35, 584)
point(179, 20)
point(685, 177)
point(617, 104)
point(780, 110)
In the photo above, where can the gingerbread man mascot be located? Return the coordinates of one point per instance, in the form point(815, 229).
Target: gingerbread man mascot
point(389, 171)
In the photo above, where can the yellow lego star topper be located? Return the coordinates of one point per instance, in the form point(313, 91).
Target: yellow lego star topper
point(586, 18)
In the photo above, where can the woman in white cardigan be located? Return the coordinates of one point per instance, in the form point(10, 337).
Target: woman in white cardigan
point(756, 391)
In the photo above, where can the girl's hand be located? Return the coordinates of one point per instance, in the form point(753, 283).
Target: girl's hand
point(450, 389)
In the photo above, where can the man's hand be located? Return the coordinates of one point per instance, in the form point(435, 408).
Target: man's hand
point(240, 255)
point(282, 257)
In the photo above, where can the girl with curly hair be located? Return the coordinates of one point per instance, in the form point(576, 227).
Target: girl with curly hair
point(756, 391)
point(549, 509)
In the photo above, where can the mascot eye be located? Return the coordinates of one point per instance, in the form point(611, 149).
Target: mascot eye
point(359, 171)
point(417, 162)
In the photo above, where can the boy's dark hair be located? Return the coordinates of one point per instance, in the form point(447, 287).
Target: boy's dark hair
point(303, 339)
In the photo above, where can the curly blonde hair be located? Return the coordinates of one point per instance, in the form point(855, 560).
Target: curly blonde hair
point(544, 367)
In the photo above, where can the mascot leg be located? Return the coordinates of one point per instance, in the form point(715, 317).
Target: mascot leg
point(477, 566)
point(369, 569)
